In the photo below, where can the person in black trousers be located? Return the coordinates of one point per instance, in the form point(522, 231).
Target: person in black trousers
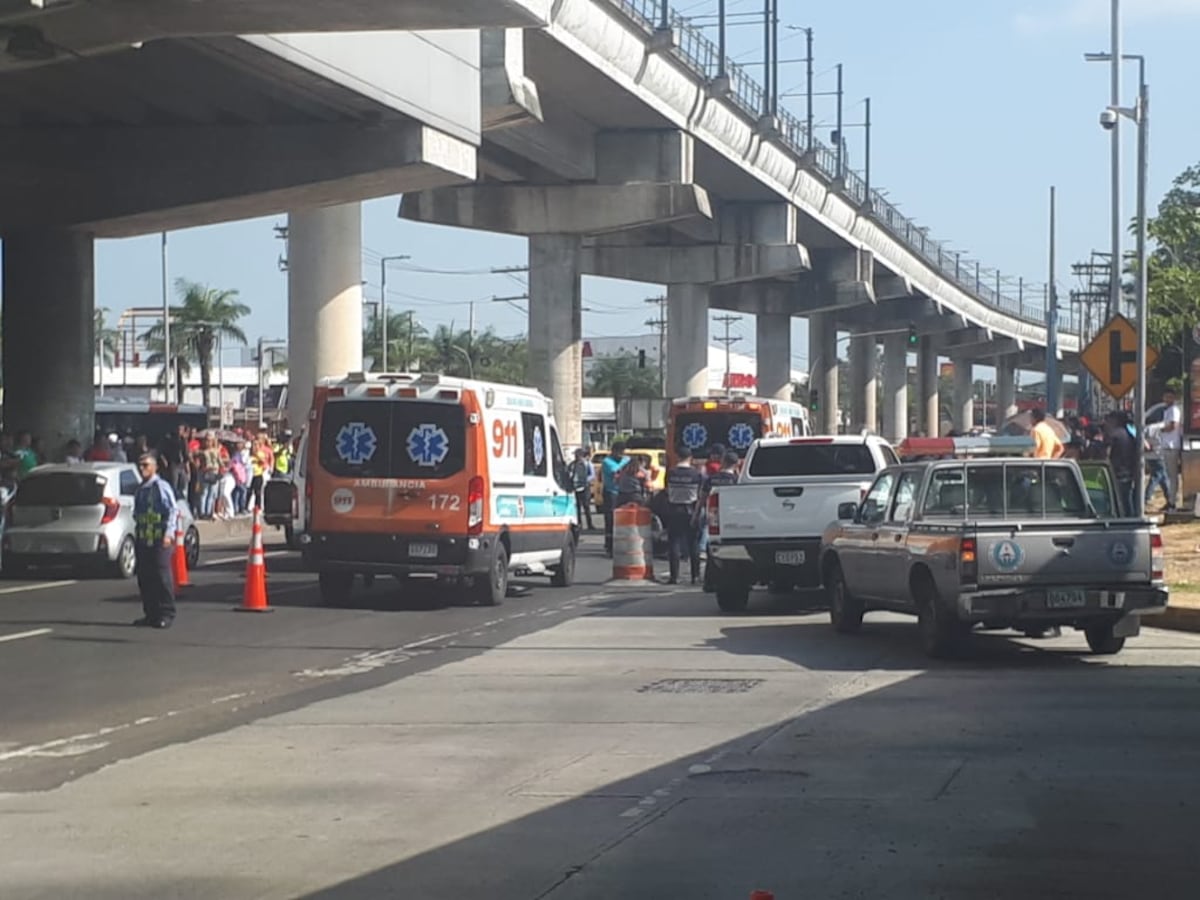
point(154, 516)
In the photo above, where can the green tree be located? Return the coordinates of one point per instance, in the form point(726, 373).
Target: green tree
point(182, 357)
point(485, 355)
point(203, 316)
point(621, 378)
point(108, 340)
point(399, 342)
point(1173, 285)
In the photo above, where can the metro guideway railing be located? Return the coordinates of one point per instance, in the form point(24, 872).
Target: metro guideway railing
point(702, 57)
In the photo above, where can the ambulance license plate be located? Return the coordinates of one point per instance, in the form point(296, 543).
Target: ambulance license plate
point(423, 551)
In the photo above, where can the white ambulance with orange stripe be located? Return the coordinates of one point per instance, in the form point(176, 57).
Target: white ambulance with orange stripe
point(435, 477)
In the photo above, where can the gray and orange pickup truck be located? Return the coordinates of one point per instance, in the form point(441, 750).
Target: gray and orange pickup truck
point(1022, 544)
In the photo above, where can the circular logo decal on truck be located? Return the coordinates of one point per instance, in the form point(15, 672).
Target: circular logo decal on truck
point(342, 501)
point(1007, 555)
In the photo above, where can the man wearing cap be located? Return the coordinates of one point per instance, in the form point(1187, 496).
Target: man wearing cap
point(154, 516)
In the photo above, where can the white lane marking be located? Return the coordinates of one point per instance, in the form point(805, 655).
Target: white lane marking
point(241, 557)
point(24, 634)
point(37, 586)
point(89, 742)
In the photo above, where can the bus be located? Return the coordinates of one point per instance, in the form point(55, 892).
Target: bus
point(699, 423)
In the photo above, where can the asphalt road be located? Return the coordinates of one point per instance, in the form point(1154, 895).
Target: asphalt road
point(596, 742)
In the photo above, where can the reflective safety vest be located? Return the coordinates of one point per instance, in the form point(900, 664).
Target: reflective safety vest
point(283, 459)
point(683, 486)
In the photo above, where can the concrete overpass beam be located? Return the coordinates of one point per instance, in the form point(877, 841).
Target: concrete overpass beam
point(964, 393)
point(556, 328)
point(324, 300)
point(895, 387)
point(48, 336)
point(1006, 387)
point(507, 96)
point(758, 223)
point(773, 349)
point(113, 181)
point(928, 409)
point(863, 358)
point(687, 340)
point(891, 287)
point(823, 369)
point(704, 264)
point(649, 157)
point(579, 209)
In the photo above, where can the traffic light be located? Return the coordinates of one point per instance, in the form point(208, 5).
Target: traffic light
point(913, 338)
point(814, 400)
point(641, 359)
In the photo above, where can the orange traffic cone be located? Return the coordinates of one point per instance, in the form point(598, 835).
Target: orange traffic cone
point(254, 595)
point(179, 567)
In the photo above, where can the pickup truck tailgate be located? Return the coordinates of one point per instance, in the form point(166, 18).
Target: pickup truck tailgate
point(783, 511)
point(1076, 553)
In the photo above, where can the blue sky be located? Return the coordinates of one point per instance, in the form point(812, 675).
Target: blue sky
point(978, 108)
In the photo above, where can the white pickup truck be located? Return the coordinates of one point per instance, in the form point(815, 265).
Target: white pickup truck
point(766, 528)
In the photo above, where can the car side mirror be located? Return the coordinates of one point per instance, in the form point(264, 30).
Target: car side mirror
point(847, 512)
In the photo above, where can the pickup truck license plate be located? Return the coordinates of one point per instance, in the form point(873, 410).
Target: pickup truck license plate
point(789, 557)
point(1071, 599)
point(423, 551)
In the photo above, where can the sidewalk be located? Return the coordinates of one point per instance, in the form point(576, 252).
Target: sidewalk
point(226, 532)
point(1183, 614)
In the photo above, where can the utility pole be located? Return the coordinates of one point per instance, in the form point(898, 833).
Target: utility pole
point(168, 364)
point(660, 324)
point(841, 144)
point(728, 340)
point(1052, 399)
point(383, 314)
point(1114, 286)
point(808, 120)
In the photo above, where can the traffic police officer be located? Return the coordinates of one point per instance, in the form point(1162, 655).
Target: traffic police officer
point(283, 454)
point(683, 499)
point(154, 516)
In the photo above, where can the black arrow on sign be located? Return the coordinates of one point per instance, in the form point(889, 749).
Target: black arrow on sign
point(1118, 356)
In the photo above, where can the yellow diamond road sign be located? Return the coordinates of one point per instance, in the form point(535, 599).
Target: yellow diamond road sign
point(1111, 357)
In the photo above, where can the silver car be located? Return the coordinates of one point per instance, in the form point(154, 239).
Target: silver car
point(80, 515)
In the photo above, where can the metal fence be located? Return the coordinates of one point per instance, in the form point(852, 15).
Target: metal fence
point(700, 55)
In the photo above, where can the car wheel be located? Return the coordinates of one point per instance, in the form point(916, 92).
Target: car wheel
point(845, 610)
point(563, 575)
point(191, 547)
point(1102, 641)
point(490, 589)
point(942, 635)
point(732, 596)
point(125, 565)
point(336, 587)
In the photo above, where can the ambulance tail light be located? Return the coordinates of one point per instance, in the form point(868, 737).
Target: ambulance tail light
point(1157, 557)
point(336, 392)
point(377, 392)
point(406, 392)
point(475, 506)
point(968, 561)
point(111, 508)
point(714, 515)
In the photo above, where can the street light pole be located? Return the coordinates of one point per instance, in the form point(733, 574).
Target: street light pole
point(168, 367)
point(1114, 287)
point(383, 315)
point(841, 153)
point(1143, 300)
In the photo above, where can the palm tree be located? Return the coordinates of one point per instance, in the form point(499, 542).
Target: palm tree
point(204, 315)
point(182, 355)
point(108, 340)
point(398, 343)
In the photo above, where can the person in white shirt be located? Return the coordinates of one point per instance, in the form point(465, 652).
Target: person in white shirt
point(1170, 443)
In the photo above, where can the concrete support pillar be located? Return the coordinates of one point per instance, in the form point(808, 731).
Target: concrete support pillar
point(49, 336)
point(773, 343)
point(556, 328)
point(928, 410)
point(687, 340)
point(324, 300)
point(964, 395)
point(862, 384)
point(1006, 387)
point(823, 370)
point(895, 387)
point(1056, 392)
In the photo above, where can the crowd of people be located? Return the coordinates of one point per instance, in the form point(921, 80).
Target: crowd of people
point(680, 506)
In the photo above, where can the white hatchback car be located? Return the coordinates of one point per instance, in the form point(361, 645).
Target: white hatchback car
point(79, 515)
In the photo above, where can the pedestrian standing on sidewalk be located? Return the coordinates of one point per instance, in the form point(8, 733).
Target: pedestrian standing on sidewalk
point(609, 469)
point(154, 516)
point(580, 473)
point(1170, 444)
point(684, 482)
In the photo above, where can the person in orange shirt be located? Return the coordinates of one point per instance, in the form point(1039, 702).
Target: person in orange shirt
point(1046, 444)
